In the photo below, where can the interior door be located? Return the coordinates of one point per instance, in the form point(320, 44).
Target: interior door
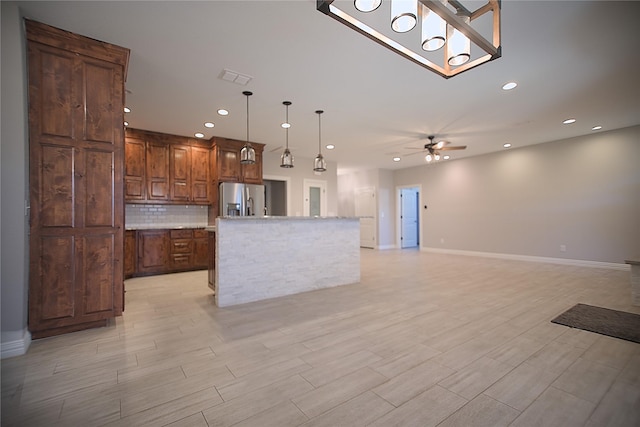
point(365, 208)
point(315, 197)
point(409, 218)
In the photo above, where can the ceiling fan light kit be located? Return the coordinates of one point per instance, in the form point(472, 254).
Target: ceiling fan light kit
point(444, 24)
point(433, 149)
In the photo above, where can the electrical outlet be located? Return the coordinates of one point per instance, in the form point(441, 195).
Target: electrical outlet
point(563, 248)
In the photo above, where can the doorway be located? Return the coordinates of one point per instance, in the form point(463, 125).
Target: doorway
point(277, 195)
point(409, 221)
point(315, 197)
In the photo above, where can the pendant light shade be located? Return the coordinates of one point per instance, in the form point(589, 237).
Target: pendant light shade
point(367, 5)
point(286, 160)
point(319, 165)
point(434, 29)
point(404, 15)
point(458, 45)
point(248, 153)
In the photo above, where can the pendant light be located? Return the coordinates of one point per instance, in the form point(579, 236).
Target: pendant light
point(286, 160)
point(319, 165)
point(248, 153)
point(458, 45)
point(404, 15)
point(367, 5)
point(434, 29)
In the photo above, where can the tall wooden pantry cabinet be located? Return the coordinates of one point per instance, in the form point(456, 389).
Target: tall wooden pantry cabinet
point(76, 149)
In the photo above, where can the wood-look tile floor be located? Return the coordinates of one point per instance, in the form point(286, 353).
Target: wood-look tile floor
point(424, 340)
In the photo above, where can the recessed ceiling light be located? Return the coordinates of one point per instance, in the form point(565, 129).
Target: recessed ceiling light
point(209, 125)
point(127, 109)
point(330, 146)
point(126, 123)
point(446, 157)
point(596, 127)
point(285, 125)
point(223, 112)
point(199, 135)
point(396, 159)
point(569, 121)
point(506, 145)
point(509, 86)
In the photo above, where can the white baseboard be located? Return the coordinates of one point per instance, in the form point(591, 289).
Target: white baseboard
point(16, 347)
point(563, 261)
point(386, 247)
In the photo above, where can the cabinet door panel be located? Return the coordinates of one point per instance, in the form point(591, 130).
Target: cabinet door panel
point(55, 107)
point(56, 195)
point(57, 277)
point(99, 262)
point(228, 164)
point(99, 200)
point(200, 175)
point(252, 174)
point(99, 117)
point(129, 253)
point(179, 173)
point(134, 170)
point(153, 251)
point(157, 171)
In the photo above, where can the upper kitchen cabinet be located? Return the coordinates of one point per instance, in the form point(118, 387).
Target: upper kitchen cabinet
point(227, 166)
point(134, 170)
point(76, 158)
point(176, 168)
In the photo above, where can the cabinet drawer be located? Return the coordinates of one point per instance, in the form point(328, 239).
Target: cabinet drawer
point(200, 234)
point(181, 260)
point(181, 234)
point(180, 246)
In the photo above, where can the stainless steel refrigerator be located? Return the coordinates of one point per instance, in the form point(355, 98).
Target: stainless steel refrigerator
point(241, 199)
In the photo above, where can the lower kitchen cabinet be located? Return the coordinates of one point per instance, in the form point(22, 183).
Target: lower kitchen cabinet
point(165, 251)
point(153, 251)
point(130, 258)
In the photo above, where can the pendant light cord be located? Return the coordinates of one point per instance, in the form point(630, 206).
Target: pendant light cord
point(319, 113)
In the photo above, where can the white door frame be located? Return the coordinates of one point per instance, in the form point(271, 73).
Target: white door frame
point(287, 180)
point(399, 210)
point(323, 195)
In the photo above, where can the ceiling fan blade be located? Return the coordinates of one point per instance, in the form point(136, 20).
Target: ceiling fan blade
point(413, 148)
point(455, 147)
point(417, 152)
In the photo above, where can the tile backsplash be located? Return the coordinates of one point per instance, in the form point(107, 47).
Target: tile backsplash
point(165, 215)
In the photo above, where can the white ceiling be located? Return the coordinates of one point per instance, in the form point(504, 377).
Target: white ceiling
point(576, 59)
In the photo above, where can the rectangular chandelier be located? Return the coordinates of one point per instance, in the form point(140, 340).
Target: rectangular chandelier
point(440, 35)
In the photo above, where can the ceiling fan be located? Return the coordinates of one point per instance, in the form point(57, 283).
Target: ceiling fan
point(433, 148)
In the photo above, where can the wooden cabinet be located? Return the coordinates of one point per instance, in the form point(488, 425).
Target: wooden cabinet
point(200, 249)
point(153, 251)
point(134, 170)
point(76, 159)
point(181, 249)
point(176, 169)
point(200, 179)
point(130, 258)
point(252, 174)
point(228, 167)
point(157, 171)
point(169, 251)
point(212, 261)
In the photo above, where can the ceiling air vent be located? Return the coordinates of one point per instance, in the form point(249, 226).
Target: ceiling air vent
point(235, 77)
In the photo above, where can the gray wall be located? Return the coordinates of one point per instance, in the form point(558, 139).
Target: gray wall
point(583, 193)
point(303, 170)
point(13, 178)
point(382, 181)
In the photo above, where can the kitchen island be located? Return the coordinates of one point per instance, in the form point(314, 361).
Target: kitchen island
point(256, 258)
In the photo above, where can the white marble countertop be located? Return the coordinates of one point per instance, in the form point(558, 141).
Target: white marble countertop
point(164, 227)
